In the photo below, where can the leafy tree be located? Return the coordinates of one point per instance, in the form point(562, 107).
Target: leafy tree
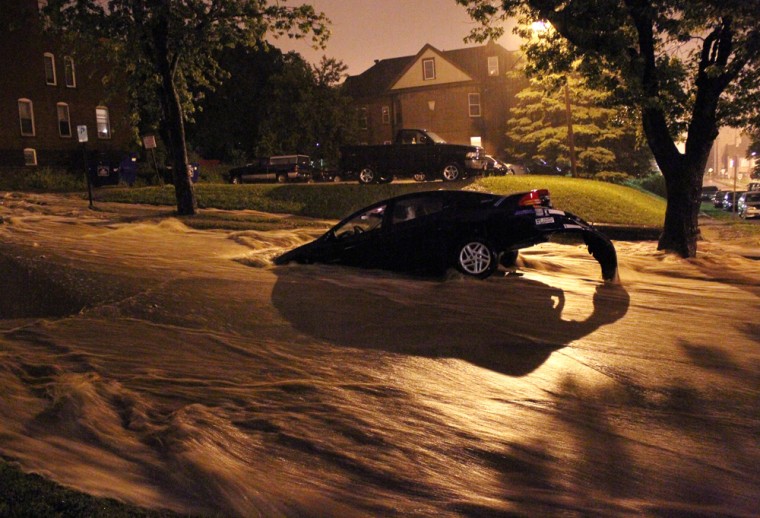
point(605, 137)
point(306, 110)
point(689, 66)
point(226, 125)
point(167, 50)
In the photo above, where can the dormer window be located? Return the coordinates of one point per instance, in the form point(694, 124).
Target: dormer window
point(428, 69)
point(493, 66)
point(50, 78)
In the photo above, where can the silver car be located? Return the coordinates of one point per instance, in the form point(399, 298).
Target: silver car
point(749, 205)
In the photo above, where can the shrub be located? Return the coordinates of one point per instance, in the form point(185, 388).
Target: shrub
point(41, 179)
point(654, 183)
point(612, 177)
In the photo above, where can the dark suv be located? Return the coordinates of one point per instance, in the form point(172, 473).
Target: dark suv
point(285, 168)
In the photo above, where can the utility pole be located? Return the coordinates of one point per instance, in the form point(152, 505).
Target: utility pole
point(570, 134)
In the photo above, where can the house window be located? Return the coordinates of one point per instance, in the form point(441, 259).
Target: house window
point(69, 72)
point(30, 156)
point(493, 66)
point(26, 117)
point(474, 101)
point(64, 121)
point(49, 69)
point(363, 118)
point(102, 122)
point(386, 110)
point(428, 69)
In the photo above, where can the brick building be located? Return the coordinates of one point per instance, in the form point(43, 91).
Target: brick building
point(463, 95)
point(46, 93)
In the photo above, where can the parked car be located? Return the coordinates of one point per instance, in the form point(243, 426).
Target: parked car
point(283, 168)
point(540, 166)
point(435, 230)
point(749, 205)
point(495, 167)
point(415, 153)
point(718, 199)
point(708, 192)
point(730, 200)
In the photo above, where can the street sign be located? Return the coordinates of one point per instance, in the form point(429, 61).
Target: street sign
point(82, 133)
point(149, 141)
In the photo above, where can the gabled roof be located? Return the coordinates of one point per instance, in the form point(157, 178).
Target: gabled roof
point(379, 78)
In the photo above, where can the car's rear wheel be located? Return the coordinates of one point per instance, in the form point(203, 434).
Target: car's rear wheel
point(475, 257)
point(451, 171)
point(367, 175)
point(282, 178)
point(236, 180)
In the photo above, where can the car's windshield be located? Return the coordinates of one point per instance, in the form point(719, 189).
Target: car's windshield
point(367, 221)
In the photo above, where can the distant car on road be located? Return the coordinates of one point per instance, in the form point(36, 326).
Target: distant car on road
point(749, 205)
point(284, 168)
point(435, 230)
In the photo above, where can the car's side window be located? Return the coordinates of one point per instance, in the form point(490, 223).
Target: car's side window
point(368, 221)
point(414, 208)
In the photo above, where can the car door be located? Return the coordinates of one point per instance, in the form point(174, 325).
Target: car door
point(413, 240)
point(357, 241)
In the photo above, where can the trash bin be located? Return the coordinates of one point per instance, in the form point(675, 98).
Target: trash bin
point(104, 172)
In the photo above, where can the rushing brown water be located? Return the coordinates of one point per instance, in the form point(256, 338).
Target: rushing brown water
point(174, 368)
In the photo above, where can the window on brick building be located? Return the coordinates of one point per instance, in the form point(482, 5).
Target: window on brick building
point(103, 122)
point(386, 110)
point(428, 69)
point(50, 69)
point(30, 156)
point(363, 118)
point(64, 121)
point(26, 117)
point(474, 102)
point(69, 72)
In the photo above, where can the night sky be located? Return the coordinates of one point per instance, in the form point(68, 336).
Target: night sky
point(366, 30)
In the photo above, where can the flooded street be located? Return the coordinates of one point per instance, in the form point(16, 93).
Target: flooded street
point(176, 368)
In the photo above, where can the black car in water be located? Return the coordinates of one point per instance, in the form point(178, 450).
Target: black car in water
point(435, 230)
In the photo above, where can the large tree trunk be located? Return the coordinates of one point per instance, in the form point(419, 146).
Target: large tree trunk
point(684, 173)
point(680, 230)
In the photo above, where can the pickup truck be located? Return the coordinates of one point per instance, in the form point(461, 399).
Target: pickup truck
point(282, 169)
point(415, 153)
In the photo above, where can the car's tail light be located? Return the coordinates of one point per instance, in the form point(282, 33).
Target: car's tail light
point(536, 197)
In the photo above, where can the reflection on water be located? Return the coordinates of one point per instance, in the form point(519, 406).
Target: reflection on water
point(508, 324)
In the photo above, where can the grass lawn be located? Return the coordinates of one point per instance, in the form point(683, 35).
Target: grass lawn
point(594, 201)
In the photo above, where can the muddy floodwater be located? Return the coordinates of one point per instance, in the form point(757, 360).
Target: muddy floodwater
point(176, 368)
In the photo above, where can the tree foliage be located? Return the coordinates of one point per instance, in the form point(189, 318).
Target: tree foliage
point(605, 135)
point(688, 66)
point(167, 51)
point(275, 104)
